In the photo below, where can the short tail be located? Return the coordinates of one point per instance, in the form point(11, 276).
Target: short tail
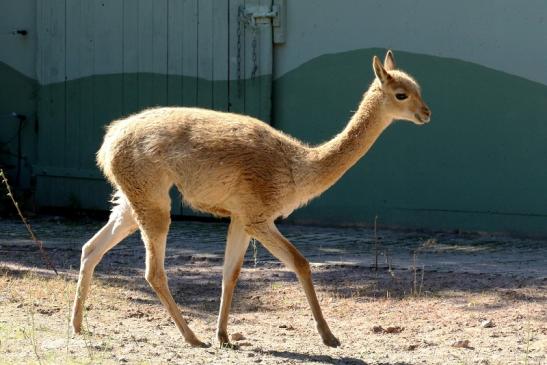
point(105, 153)
point(101, 156)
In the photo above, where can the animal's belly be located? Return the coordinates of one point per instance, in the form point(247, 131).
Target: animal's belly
point(207, 201)
point(207, 192)
point(218, 211)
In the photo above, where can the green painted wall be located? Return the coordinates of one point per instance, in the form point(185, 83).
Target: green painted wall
point(479, 165)
point(17, 86)
point(17, 95)
point(74, 113)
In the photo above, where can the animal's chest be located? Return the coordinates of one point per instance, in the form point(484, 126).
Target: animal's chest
point(291, 206)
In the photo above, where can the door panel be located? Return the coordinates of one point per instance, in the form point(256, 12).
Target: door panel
point(99, 61)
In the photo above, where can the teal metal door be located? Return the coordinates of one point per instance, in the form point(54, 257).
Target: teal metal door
point(101, 60)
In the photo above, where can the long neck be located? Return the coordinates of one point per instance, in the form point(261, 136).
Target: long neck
point(333, 158)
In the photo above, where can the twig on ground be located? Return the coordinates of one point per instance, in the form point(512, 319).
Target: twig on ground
point(31, 334)
point(87, 337)
point(67, 299)
point(38, 242)
point(388, 263)
point(376, 252)
point(528, 340)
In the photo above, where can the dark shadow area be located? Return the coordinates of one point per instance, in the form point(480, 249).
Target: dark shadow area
point(363, 282)
point(324, 359)
point(197, 287)
point(194, 260)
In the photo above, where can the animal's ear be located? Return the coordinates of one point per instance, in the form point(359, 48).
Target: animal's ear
point(389, 61)
point(379, 70)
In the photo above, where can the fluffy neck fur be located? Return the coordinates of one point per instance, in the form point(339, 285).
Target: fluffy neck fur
point(333, 158)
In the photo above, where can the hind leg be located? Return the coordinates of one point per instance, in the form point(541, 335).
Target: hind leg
point(120, 224)
point(280, 247)
point(153, 217)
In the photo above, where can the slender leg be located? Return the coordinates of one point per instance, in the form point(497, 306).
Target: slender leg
point(236, 246)
point(281, 248)
point(120, 225)
point(154, 223)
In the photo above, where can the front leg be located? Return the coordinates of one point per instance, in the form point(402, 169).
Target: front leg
point(236, 246)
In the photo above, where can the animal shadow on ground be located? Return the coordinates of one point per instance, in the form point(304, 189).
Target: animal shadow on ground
point(325, 359)
point(195, 272)
point(197, 285)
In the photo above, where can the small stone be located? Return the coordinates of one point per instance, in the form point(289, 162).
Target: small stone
point(391, 329)
point(237, 337)
point(378, 329)
point(394, 329)
point(487, 323)
point(412, 347)
point(464, 344)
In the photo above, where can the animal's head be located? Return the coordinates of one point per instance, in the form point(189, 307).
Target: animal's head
point(403, 98)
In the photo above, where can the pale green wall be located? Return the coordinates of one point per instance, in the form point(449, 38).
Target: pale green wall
point(505, 35)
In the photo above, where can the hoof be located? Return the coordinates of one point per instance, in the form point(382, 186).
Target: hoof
point(225, 343)
point(331, 341)
point(198, 343)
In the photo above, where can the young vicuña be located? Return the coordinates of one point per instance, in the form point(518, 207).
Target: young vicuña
point(231, 166)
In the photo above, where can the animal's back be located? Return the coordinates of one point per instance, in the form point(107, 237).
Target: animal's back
point(172, 132)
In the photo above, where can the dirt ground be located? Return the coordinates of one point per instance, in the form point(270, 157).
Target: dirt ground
point(433, 298)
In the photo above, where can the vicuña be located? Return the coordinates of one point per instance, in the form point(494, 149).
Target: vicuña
point(232, 166)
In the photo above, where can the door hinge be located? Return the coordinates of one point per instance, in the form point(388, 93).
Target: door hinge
point(256, 15)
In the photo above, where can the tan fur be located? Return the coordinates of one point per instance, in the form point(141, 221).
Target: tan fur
point(233, 166)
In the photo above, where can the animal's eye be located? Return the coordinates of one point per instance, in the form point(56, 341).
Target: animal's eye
point(401, 96)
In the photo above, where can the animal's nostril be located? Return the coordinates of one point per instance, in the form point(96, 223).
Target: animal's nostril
point(426, 111)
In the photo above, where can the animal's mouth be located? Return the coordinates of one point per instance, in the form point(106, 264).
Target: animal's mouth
point(422, 119)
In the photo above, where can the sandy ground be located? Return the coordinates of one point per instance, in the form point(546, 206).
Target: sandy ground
point(461, 299)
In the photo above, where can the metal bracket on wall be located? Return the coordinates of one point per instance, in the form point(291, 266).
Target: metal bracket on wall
point(20, 32)
point(260, 15)
point(279, 23)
